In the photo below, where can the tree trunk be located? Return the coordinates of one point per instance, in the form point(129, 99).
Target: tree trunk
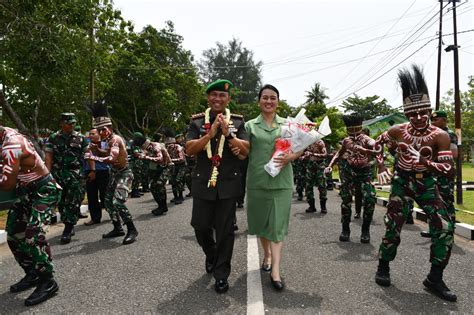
point(19, 123)
point(35, 118)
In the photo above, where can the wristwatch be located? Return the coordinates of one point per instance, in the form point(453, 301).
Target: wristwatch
point(231, 136)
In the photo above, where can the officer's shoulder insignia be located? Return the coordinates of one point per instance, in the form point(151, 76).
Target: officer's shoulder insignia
point(237, 116)
point(197, 116)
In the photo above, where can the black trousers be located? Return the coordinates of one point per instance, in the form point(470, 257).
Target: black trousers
point(215, 215)
point(96, 189)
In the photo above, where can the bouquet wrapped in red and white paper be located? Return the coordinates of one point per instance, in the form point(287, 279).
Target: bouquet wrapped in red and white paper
point(296, 135)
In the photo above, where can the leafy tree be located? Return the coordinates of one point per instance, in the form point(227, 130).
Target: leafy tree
point(155, 83)
point(369, 107)
point(235, 63)
point(467, 116)
point(316, 95)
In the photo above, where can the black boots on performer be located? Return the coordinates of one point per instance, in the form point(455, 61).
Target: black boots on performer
point(132, 234)
point(116, 232)
point(45, 289)
point(322, 203)
point(312, 207)
point(346, 232)
point(67, 233)
point(30, 280)
point(382, 276)
point(434, 283)
point(365, 235)
point(162, 208)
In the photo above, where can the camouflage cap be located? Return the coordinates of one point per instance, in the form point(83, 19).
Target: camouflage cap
point(68, 118)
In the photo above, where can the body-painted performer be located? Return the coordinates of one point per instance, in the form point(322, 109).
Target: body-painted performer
point(176, 153)
point(30, 216)
point(121, 175)
point(216, 179)
point(64, 158)
point(314, 157)
point(423, 151)
point(445, 184)
point(160, 162)
point(357, 171)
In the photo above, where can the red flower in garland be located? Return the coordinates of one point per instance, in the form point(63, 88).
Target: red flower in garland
point(216, 160)
point(207, 127)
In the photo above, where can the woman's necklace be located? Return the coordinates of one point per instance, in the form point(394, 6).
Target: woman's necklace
point(216, 159)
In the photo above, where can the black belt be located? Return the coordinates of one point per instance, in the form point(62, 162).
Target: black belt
point(37, 184)
point(417, 175)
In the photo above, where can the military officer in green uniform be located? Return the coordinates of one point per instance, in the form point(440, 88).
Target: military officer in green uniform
point(64, 157)
point(216, 179)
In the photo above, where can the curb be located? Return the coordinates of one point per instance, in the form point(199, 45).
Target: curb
point(55, 219)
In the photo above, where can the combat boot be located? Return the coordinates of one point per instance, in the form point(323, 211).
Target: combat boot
point(409, 219)
point(346, 232)
point(117, 231)
point(365, 235)
point(322, 203)
point(175, 196)
point(30, 280)
point(312, 207)
point(132, 234)
point(135, 193)
point(46, 288)
point(434, 282)
point(382, 276)
point(180, 199)
point(67, 233)
point(300, 196)
point(159, 211)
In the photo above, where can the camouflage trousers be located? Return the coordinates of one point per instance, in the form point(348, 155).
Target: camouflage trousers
point(177, 177)
point(116, 195)
point(315, 177)
point(405, 187)
point(299, 168)
point(27, 223)
point(138, 174)
point(158, 179)
point(353, 177)
point(72, 197)
point(446, 190)
point(188, 176)
point(146, 176)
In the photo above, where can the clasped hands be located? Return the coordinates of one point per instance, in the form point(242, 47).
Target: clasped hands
point(220, 122)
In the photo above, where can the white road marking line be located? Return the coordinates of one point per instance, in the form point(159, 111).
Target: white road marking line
point(254, 282)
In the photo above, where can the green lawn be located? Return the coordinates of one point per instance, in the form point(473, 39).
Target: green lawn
point(468, 172)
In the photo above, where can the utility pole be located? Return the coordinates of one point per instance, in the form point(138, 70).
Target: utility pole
point(457, 106)
point(440, 43)
point(92, 73)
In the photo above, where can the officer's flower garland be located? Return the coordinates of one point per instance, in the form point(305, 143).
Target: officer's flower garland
point(216, 159)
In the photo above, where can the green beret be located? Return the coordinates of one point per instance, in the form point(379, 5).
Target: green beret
point(179, 135)
point(137, 135)
point(439, 113)
point(220, 85)
point(77, 128)
point(68, 118)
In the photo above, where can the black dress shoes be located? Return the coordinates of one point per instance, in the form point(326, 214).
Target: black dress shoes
point(30, 280)
point(266, 267)
point(45, 290)
point(277, 284)
point(221, 286)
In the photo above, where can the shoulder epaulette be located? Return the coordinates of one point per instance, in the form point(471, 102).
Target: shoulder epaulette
point(197, 116)
point(236, 116)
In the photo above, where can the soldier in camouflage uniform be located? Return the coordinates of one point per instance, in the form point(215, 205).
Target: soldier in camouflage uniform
point(121, 177)
point(299, 178)
point(160, 163)
point(315, 156)
point(190, 164)
point(30, 216)
point(64, 157)
point(445, 184)
point(136, 165)
point(423, 153)
point(356, 171)
point(178, 158)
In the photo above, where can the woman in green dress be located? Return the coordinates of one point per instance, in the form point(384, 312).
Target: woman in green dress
point(268, 198)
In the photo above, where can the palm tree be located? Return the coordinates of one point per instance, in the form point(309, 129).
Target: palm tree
point(317, 94)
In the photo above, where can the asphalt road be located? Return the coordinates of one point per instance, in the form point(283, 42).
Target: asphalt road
point(163, 272)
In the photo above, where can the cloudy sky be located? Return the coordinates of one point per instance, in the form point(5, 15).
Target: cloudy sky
point(348, 46)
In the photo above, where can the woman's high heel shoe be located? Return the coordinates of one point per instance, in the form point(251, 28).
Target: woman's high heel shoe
point(278, 285)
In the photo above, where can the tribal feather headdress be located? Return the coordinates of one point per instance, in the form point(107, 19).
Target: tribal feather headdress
point(414, 89)
point(100, 114)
